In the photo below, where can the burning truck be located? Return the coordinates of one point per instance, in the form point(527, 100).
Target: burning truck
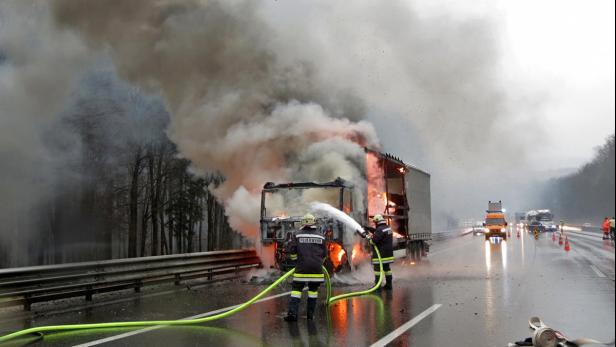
point(399, 192)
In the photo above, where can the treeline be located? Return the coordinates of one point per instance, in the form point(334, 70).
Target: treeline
point(588, 194)
point(118, 187)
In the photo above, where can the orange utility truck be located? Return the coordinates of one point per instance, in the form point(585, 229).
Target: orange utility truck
point(495, 222)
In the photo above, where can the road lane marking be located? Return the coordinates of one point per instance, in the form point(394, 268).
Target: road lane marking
point(148, 329)
point(404, 327)
point(598, 272)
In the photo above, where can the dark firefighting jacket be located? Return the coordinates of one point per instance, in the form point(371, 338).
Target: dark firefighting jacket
point(308, 248)
point(383, 239)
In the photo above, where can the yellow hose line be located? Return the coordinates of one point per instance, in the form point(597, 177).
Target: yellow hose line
point(146, 323)
point(368, 291)
point(329, 300)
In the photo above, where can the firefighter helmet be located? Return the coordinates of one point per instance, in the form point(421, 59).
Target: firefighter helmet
point(378, 218)
point(307, 220)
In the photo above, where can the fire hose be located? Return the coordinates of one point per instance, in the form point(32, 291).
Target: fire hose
point(56, 328)
point(544, 336)
point(363, 292)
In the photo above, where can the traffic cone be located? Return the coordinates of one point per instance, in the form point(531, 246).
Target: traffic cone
point(554, 237)
point(567, 246)
point(560, 240)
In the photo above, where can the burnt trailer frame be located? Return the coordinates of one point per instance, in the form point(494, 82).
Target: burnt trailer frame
point(416, 213)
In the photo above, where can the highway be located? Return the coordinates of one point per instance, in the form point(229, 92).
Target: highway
point(467, 292)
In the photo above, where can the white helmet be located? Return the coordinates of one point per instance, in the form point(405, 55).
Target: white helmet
point(307, 220)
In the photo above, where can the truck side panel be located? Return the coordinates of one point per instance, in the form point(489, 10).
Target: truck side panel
point(420, 209)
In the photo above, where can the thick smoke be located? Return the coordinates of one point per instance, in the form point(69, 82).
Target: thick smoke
point(38, 68)
point(236, 107)
point(271, 91)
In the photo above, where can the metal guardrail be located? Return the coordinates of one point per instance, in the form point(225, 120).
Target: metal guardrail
point(448, 234)
point(28, 285)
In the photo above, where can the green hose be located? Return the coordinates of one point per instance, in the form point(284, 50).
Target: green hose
point(363, 292)
point(328, 285)
point(329, 300)
point(146, 323)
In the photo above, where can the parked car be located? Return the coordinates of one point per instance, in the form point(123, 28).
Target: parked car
point(478, 230)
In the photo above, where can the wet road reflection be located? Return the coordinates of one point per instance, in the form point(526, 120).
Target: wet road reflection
point(495, 251)
point(488, 290)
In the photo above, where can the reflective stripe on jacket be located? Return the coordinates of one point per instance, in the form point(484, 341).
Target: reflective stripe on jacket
point(308, 248)
point(383, 239)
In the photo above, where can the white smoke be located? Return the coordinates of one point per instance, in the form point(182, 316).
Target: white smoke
point(39, 66)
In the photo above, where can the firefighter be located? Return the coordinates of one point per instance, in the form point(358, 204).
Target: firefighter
point(308, 249)
point(605, 227)
point(383, 239)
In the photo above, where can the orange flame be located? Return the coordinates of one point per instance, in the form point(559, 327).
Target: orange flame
point(356, 251)
point(336, 254)
point(339, 255)
point(376, 185)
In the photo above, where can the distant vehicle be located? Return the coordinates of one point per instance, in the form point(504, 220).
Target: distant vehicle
point(535, 225)
point(520, 219)
point(542, 220)
point(478, 230)
point(586, 227)
point(495, 223)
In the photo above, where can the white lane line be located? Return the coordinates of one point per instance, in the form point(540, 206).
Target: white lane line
point(404, 327)
point(145, 330)
point(598, 272)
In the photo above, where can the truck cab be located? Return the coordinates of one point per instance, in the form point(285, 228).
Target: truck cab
point(389, 187)
point(495, 223)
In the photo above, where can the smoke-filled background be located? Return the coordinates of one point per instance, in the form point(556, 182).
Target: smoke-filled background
point(149, 127)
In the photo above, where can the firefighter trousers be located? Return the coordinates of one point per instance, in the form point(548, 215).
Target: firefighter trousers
point(388, 274)
point(296, 296)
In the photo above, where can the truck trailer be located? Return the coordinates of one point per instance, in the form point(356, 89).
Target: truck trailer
point(390, 187)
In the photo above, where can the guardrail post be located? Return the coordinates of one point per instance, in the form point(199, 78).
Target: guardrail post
point(88, 293)
point(209, 274)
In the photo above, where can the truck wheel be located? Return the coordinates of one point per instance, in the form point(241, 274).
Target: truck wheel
point(416, 251)
point(419, 251)
point(409, 250)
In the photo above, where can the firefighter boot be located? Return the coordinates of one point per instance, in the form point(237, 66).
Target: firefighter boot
point(388, 282)
point(293, 308)
point(310, 307)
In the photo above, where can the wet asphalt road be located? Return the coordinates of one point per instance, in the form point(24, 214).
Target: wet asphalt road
point(486, 292)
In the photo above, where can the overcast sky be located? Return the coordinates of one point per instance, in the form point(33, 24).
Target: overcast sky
point(564, 49)
point(557, 65)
